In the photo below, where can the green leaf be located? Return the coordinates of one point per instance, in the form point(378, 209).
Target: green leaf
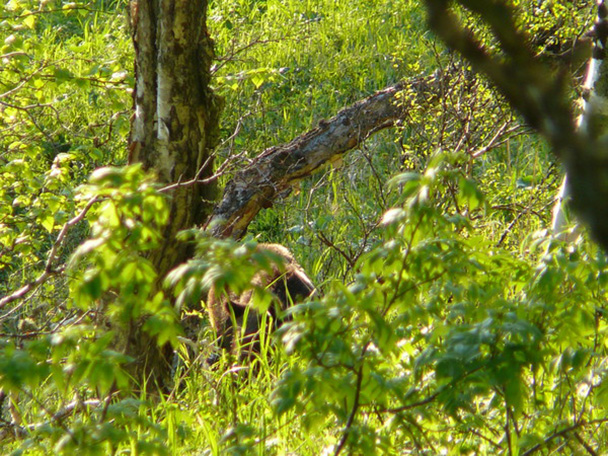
point(469, 192)
point(92, 285)
point(403, 178)
point(48, 222)
point(29, 21)
point(62, 75)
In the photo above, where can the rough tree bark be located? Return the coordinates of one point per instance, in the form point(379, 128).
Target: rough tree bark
point(174, 129)
point(276, 170)
point(175, 125)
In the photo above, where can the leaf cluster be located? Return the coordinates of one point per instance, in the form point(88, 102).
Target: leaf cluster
point(431, 341)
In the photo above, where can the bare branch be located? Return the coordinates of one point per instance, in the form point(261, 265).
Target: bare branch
point(50, 261)
point(351, 417)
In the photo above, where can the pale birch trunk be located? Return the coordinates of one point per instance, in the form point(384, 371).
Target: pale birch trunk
point(594, 103)
point(174, 129)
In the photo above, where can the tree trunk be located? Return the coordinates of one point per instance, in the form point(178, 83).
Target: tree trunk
point(174, 129)
point(595, 96)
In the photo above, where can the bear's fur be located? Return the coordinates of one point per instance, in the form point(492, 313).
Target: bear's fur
point(286, 281)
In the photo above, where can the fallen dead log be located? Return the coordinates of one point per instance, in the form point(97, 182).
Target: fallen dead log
point(275, 171)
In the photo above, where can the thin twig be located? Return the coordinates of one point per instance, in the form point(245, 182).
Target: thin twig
point(561, 433)
point(24, 80)
point(231, 57)
point(196, 180)
point(353, 413)
point(52, 256)
point(502, 135)
point(587, 447)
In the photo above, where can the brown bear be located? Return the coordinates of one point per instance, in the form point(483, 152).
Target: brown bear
point(229, 312)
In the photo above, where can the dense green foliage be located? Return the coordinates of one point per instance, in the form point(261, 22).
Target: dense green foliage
point(448, 321)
